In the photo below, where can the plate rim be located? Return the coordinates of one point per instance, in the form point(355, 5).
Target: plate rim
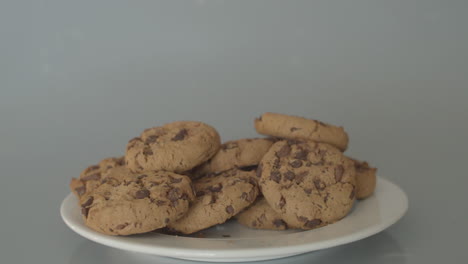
point(233, 254)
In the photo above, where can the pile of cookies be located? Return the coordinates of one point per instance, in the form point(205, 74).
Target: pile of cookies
point(180, 178)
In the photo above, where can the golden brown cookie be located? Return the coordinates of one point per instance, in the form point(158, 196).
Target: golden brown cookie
point(242, 153)
point(127, 203)
point(310, 184)
point(91, 177)
point(261, 216)
point(177, 147)
point(218, 198)
point(294, 127)
point(366, 179)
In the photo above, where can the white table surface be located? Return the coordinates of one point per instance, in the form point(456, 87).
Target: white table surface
point(80, 78)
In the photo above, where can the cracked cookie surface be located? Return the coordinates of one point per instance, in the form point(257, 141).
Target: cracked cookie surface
point(260, 215)
point(295, 127)
point(177, 147)
point(127, 203)
point(218, 198)
point(240, 153)
point(90, 178)
point(310, 184)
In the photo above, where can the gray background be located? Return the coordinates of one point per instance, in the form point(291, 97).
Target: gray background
point(80, 78)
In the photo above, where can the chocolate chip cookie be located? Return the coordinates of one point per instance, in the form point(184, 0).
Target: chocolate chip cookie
point(366, 179)
point(218, 198)
point(90, 178)
point(127, 203)
point(176, 147)
point(242, 153)
point(261, 216)
point(310, 184)
point(294, 127)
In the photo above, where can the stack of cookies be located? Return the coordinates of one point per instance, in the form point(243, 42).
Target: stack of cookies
point(180, 178)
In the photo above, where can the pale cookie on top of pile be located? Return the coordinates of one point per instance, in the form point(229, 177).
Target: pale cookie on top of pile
point(366, 179)
point(177, 147)
point(295, 127)
point(91, 177)
point(218, 198)
point(309, 184)
point(242, 153)
point(260, 215)
point(127, 203)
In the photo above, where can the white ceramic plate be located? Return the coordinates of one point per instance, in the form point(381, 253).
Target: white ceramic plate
point(232, 242)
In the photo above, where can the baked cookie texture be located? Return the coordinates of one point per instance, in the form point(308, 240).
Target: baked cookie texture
point(176, 147)
point(294, 127)
point(309, 184)
point(218, 198)
point(90, 178)
point(260, 215)
point(242, 153)
point(366, 179)
point(127, 203)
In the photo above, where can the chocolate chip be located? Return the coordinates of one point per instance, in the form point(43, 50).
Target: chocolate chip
point(140, 194)
point(175, 180)
point(292, 129)
point(213, 198)
point(216, 188)
point(254, 223)
point(313, 223)
point(276, 164)
point(200, 193)
point(284, 151)
point(229, 209)
point(121, 226)
point(147, 151)
point(139, 177)
point(279, 223)
point(319, 185)
point(301, 154)
point(88, 202)
point(275, 176)
point(92, 177)
point(259, 170)
point(85, 206)
point(339, 173)
point(308, 191)
point(289, 175)
point(160, 202)
point(180, 135)
point(302, 218)
point(173, 195)
point(243, 196)
point(282, 202)
point(296, 164)
point(252, 195)
point(300, 176)
point(80, 190)
point(151, 139)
